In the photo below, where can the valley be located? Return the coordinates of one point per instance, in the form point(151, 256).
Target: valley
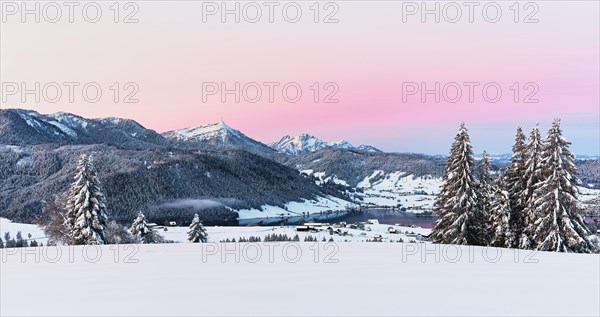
point(165, 175)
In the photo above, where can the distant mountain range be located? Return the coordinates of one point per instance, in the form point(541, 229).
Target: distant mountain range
point(143, 170)
point(220, 134)
point(306, 143)
point(25, 127)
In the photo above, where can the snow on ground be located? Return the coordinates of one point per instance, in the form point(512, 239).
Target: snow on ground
point(297, 208)
point(218, 234)
point(14, 148)
point(381, 189)
point(63, 128)
point(322, 178)
point(299, 279)
point(25, 228)
point(69, 119)
point(416, 194)
point(587, 194)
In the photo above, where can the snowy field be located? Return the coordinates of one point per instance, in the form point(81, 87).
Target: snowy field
point(25, 228)
point(218, 234)
point(379, 190)
point(391, 189)
point(297, 208)
point(416, 194)
point(343, 279)
point(586, 194)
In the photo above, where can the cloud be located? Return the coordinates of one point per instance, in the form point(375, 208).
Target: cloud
point(200, 204)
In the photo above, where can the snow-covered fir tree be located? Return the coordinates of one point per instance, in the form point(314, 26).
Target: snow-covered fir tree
point(516, 184)
point(485, 197)
point(20, 241)
point(456, 205)
point(197, 233)
point(140, 230)
point(559, 225)
point(531, 177)
point(501, 234)
point(86, 205)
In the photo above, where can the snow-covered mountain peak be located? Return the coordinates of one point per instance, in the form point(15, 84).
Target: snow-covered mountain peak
point(342, 144)
point(218, 133)
point(305, 143)
point(204, 132)
point(302, 143)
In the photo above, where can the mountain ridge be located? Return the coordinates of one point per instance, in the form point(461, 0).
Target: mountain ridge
point(141, 170)
point(304, 143)
point(28, 127)
point(144, 169)
point(218, 134)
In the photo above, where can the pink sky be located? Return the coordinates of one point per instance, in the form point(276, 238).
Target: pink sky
point(368, 54)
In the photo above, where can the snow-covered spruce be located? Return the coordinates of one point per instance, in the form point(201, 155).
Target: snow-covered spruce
point(559, 225)
point(516, 184)
point(140, 230)
point(485, 195)
point(456, 205)
point(531, 177)
point(197, 233)
point(86, 216)
point(501, 233)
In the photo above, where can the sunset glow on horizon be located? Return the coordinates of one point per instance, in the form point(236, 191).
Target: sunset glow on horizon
point(370, 55)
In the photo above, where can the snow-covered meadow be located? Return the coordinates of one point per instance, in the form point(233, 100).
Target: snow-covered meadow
point(378, 190)
point(219, 233)
point(13, 227)
point(414, 193)
point(342, 278)
point(284, 279)
point(317, 205)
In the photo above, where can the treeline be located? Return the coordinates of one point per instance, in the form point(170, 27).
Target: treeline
point(531, 205)
point(18, 241)
point(136, 180)
point(354, 166)
point(79, 216)
point(274, 237)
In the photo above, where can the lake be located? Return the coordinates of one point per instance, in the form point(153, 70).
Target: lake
point(384, 216)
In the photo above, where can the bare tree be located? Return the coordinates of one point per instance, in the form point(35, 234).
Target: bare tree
point(52, 221)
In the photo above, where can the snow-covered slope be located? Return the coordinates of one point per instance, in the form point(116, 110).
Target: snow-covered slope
point(368, 148)
point(414, 193)
point(27, 127)
point(26, 229)
point(219, 233)
point(319, 204)
point(218, 133)
point(396, 189)
point(305, 143)
point(293, 279)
